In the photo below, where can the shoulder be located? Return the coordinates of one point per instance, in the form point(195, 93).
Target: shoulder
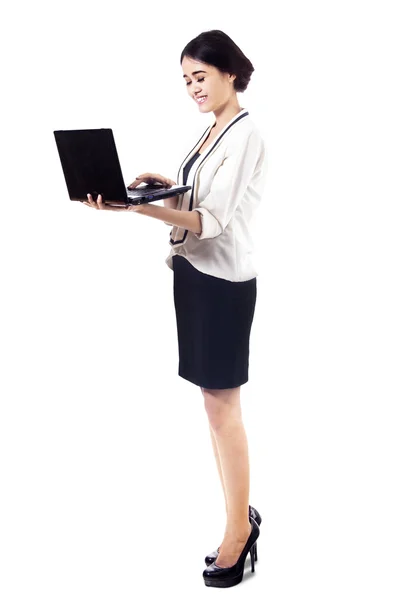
point(245, 135)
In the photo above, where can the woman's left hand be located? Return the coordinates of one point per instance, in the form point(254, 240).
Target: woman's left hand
point(99, 205)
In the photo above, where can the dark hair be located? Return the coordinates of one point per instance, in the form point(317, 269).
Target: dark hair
point(216, 48)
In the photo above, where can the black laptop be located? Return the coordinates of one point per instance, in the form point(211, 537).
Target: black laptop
point(91, 165)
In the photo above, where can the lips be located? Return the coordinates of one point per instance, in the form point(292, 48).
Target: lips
point(203, 99)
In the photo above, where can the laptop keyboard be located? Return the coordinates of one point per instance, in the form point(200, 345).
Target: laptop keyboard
point(139, 191)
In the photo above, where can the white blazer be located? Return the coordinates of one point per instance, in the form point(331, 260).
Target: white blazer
point(227, 181)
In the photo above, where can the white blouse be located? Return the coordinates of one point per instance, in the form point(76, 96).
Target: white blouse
point(228, 181)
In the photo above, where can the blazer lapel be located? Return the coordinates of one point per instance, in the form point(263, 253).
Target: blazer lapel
point(178, 234)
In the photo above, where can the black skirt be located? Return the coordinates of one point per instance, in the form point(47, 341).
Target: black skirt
point(214, 318)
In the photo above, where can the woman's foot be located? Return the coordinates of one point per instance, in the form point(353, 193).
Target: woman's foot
point(253, 513)
point(231, 548)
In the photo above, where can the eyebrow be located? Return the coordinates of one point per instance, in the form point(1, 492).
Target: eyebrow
point(195, 72)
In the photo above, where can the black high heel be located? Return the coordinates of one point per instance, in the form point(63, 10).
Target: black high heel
point(215, 576)
point(253, 512)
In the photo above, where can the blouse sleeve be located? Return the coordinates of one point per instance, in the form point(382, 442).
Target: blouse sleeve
point(229, 185)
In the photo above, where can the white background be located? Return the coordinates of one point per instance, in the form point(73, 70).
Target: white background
point(109, 487)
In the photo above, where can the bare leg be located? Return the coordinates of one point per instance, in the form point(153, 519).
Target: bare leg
point(225, 418)
point(218, 461)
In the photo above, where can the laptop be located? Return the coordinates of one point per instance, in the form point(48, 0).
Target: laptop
point(91, 165)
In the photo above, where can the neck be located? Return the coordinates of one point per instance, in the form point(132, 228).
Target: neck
point(225, 114)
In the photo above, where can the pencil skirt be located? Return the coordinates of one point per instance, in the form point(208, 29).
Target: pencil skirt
point(214, 318)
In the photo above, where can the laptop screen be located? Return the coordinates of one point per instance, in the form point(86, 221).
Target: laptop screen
point(90, 163)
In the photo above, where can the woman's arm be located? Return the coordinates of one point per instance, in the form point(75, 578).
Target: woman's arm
point(188, 219)
point(170, 203)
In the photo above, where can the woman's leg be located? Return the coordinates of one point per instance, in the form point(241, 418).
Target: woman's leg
point(225, 419)
point(218, 461)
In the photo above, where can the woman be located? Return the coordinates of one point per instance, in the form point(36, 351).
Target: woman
point(214, 278)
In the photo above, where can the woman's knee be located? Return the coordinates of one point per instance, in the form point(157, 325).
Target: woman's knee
point(221, 405)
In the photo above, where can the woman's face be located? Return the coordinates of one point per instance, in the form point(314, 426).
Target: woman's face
point(202, 79)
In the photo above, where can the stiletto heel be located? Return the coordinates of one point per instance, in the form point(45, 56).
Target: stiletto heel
point(255, 552)
point(216, 576)
point(252, 551)
point(253, 512)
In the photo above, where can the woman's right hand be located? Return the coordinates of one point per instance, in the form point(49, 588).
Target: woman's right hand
point(151, 178)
